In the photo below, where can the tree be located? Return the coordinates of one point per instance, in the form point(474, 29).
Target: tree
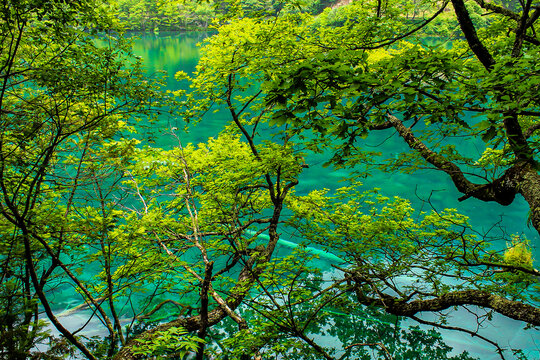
point(64, 104)
point(153, 15)
point(436, 86)
point(157, 15)
point(177, 250)
point(319, 83)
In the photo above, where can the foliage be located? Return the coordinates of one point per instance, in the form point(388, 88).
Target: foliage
point(152, 15)
point(156, 15)
point(519, 253)
point(65, 101)
point(171, 342)
point(186, 243)
point(330, 81)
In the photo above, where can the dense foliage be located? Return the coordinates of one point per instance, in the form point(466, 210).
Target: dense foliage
point(154, 15)
point(64, 104)
point(179, 250)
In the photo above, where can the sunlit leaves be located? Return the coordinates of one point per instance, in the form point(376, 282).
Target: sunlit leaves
point(171, 342)
point(382, 236)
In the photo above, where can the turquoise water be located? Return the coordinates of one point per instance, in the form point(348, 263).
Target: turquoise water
point(175, 52)
point(178, 52)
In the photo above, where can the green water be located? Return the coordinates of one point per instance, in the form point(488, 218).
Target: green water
point(178, 52)
point(174, 52)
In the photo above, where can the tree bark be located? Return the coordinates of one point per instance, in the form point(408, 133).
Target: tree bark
point(530, 189)
point(522, 178)
point(502, 190)
point(513, 309)
point(469, 31)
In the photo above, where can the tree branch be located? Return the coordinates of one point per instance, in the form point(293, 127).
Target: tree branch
point(246, 279)
point(521, 30)
point(513, 309)
point(535, 15)
point(469, 31)
point(502, 190)
point(387, 42)
point(498, 9)
point(472, 333)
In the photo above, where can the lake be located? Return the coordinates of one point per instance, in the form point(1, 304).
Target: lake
point(178, 52)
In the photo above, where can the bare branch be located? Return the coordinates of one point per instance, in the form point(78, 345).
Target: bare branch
point(379, 344)
point(472, 333)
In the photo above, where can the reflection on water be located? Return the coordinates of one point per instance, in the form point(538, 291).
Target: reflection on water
point(170, 52)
